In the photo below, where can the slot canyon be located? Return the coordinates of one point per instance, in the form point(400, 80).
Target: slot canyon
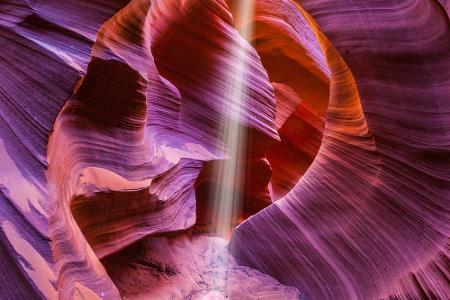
point(225, 149)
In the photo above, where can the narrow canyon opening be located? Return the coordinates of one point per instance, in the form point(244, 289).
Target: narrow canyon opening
point(237, 149)
point(260, 168)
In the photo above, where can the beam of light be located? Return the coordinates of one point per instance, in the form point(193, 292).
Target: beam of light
point(226, 195)
point(230, 172)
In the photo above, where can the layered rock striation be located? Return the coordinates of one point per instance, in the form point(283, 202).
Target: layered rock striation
point(111, 132)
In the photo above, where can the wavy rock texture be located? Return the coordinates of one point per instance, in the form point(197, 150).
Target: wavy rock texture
point(370, 218)
point(111, 129)
point(44, 53)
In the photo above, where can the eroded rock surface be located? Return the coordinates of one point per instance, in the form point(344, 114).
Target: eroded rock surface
point(191, 266)
point(111, 127)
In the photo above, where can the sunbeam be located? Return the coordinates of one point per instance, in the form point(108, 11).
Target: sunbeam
point(226, 196)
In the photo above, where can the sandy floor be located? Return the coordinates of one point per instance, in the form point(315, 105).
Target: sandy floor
point(190, 266)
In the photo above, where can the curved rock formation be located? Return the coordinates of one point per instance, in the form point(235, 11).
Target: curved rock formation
point(370, 218)
point(112, 117)
point(44, 52)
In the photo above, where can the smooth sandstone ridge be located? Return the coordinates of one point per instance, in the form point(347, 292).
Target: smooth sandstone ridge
point(111, 129)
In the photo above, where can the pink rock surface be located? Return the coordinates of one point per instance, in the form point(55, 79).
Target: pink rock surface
point(369, 219)
point(111, 129)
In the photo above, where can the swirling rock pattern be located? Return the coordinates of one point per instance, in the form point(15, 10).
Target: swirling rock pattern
point(370, 218)
point(111, 117)
point(44, 52)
